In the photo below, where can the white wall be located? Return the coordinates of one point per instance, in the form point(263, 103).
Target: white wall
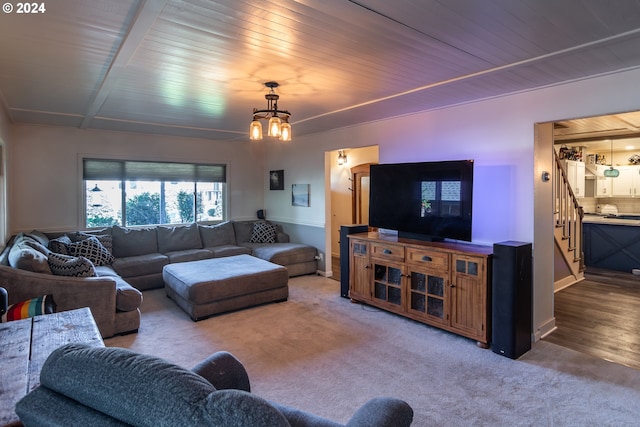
point(498, 134)
point(45, 189)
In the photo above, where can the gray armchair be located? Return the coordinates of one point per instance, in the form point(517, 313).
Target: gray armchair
point(82, 385)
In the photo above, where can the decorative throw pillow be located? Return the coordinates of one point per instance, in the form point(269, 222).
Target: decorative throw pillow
point(65, 265)
point(30, 308)
point(105, 239)
point(92, 249)
point(59, 245)
point(263, 232)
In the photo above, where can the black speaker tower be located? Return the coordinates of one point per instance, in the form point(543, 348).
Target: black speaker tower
point(345, 230)
point(511, 303)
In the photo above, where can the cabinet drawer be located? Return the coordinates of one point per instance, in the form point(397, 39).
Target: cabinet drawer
point(427, 258)
point(387, 251)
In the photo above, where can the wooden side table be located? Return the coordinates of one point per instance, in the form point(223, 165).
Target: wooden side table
point(26, 344)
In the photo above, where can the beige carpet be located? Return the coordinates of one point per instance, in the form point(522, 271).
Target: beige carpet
point(321, 353)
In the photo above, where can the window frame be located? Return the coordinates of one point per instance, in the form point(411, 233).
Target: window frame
point(219, 170)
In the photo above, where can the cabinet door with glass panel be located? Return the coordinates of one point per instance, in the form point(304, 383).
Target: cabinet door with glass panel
point(388, 270)
point(387, 285)
point(428, 285)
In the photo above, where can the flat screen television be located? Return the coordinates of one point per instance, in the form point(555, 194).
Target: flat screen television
point(426, 201)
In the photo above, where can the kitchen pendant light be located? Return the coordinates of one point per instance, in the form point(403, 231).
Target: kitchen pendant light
point(611, 172)
point(278, 126)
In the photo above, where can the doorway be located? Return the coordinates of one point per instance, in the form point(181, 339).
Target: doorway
point(342, 190)
point(585, 321)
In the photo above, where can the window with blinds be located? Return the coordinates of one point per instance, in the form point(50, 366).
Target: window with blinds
point(131, 193)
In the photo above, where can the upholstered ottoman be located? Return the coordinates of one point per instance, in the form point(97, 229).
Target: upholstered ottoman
point(210, 286)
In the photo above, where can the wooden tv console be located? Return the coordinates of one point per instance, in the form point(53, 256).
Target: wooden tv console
point(446, 285)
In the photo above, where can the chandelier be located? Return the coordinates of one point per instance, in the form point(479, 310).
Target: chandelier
point(279, 126)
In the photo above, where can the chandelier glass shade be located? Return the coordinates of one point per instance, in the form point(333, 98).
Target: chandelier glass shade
point(278, 120)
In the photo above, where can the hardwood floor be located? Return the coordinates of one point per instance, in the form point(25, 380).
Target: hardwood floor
point(600, 316)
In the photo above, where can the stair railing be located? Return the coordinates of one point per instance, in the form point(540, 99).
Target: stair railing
point(568, 212)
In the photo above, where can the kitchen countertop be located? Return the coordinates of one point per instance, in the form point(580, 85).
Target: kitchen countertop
point(595, 218)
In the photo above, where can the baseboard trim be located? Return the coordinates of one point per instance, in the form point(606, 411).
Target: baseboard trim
point(324, 273)
point(545, 329)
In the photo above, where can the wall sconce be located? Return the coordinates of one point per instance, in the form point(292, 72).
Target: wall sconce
point(342, 158)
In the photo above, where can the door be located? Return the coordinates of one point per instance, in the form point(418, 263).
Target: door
point(360, 195)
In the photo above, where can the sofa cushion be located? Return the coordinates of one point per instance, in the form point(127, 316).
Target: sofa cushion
point(284, 253)
point(263, 232)
point(128, 298)
point(217, 235)
point(189, 255)
point(178, 238)
point(25, 257)
point(29, 308)
point(243, 231)
point(133, 241)
point(105, 271)
point(92, 249)
point(66, 265)
point(228, 250)
point(140, 265)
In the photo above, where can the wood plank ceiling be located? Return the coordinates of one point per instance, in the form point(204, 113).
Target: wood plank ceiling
point(197, 68)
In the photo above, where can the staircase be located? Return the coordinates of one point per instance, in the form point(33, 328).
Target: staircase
point(569, 256)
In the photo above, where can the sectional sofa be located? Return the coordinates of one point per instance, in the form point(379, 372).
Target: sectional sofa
point(108, 276)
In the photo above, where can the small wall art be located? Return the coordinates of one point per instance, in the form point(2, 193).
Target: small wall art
point(276, 180)
point(300, 195)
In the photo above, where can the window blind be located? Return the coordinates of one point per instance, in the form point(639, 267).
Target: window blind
point(99, 169)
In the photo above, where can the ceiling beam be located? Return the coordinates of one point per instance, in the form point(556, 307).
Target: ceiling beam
point(146, 14)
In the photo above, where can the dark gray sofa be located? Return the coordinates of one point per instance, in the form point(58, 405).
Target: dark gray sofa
point(140, 254)
point(83, 385)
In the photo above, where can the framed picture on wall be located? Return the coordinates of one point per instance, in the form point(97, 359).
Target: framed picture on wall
point(276, 180)
point(300, 195)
